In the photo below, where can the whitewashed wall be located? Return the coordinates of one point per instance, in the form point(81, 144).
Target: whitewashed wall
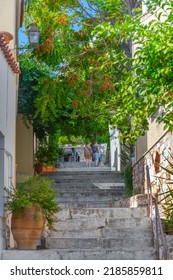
point(8, 105)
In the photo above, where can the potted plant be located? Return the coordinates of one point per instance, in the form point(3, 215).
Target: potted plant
point(40, 158)
point(46, 158)
point(33, 205)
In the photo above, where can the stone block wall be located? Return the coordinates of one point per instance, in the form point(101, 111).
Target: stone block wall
point(157, 156)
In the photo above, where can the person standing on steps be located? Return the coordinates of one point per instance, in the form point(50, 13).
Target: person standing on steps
point(88, 153)
point(74, 154)
point(96, 153)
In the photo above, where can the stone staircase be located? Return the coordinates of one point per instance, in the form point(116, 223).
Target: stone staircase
point(104, 233)
point(88, 188)
point(89, 225)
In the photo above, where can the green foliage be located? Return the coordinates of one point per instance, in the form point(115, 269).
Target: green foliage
point(29, 90)
point(93, 79)
point(49, 152)
point(85, 57)
point(167, 209)
point(36, 191)
point(128, 180)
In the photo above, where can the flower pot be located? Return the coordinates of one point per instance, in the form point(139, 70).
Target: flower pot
point(169, 232)
point(27, 227)
point(39, 168)
point(48, 169)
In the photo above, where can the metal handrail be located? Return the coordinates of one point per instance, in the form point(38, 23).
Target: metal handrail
point(161, 242)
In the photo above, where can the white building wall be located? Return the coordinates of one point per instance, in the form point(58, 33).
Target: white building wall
point(8, 105)
point(8, 16)
point(8, 99)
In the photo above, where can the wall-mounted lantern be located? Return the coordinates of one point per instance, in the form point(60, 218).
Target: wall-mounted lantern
point(34, 35)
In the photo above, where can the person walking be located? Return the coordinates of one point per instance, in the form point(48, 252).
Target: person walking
point(96, 153)
point(88, 155)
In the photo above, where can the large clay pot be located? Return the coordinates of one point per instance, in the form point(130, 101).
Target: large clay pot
point(27, 227)
point(39, 168)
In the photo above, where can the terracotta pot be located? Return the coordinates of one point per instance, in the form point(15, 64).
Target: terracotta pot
point(39, 168)
point(169, 232)
point(49, 169)
point(27, 227)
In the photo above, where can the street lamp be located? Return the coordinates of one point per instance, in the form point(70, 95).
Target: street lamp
point(33, 34)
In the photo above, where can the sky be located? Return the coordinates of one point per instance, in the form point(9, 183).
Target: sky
point(23, 38)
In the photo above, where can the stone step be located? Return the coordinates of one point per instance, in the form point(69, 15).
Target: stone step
point(98, 178)
point(103, 233)
point(95, 192)
point(88, 186)
point(73, 164)
point(89, 204)
point(95, 213)
point(89, 175)
point(76, 191)
point(85, 200)
point(103, 223)
point(89, 198)
point(88, 191)
point(86, 254)
point(84, 168)
point(83, 172)
point(102, 243)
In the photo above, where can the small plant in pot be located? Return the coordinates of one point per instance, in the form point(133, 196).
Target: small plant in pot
point(33, 206)
point(41, 159)
point(46, 156)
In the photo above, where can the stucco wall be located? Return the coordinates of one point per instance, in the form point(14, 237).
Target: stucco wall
point(155, 132)
point(141, 147)
point(8, 96)
point(8, 103)
point(8, 16)
point(144, 143)
point(8, 106)
point(24, 149)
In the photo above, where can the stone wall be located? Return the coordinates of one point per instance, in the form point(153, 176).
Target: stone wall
point(155, 157)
